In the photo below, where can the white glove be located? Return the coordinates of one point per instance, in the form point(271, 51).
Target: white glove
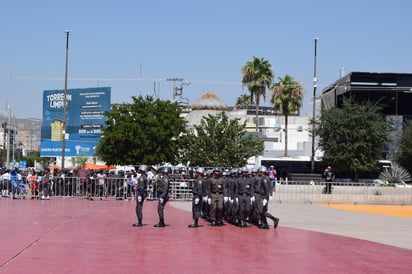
point(197, 201)
point(204, 199)
point(252, 199)
point(237, 200)
point(161, 200)
point(209, 201)
point(139, 199)
point(265, 202)
point(231, 200)
point(225, 199)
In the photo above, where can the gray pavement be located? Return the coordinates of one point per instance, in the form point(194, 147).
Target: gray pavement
point(394, 231)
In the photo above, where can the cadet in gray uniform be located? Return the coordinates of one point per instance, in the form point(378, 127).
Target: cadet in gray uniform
point(217, 191)
point(205, 207)
point(244, 193)
point(254, 216)
point(163, 193)
point(197, 192)
point(257, 205)
point(141, 189)
point(265, 191)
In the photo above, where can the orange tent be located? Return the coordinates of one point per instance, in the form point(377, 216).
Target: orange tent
point(96, 166)
point(52, 168)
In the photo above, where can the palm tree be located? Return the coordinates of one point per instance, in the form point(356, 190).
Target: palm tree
point(257, 76)
point(244, 99)
point(287, 97)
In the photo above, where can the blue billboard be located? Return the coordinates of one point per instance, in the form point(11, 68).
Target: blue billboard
point(84, 121)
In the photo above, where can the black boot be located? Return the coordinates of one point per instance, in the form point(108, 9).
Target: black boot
point(160, 224)
point(274, 219)
point(264, 224)
point(139, 223)
point(276, 222)
point(195, 224)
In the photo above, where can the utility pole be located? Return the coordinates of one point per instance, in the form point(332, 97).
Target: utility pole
point(315, 83)
point(65, 100)
point(174, 85)
point(5, 141)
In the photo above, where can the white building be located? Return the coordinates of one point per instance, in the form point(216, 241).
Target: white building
point(271, 130)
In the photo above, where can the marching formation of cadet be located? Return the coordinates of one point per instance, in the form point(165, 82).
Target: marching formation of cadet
point(240, 196)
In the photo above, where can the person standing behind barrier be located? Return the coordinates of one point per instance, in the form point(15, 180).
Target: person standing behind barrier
point(155, 179)
point(217, 192)
point(14, 176)
point(5, 180)
point(101, 181)
point(197, 192)
point(163, 193)
point(33, 184)
point(47, 184)
point(141, 190)
point(329, 176)
point(272, 174)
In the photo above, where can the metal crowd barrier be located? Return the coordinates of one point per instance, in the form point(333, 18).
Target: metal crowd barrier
point(291, 191)
point(111, 187)
point(342, 192)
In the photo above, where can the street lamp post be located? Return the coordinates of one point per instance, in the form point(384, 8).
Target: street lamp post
point(315, 81)
point(65, 99)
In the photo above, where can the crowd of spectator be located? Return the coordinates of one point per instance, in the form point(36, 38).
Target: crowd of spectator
point(89, 183)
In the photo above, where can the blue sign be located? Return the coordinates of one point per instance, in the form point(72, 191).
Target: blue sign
point(22, 164)
point(84, 121)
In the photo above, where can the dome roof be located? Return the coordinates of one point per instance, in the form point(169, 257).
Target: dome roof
point(209, 101)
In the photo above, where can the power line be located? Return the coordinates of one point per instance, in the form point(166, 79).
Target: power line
point(157, 80)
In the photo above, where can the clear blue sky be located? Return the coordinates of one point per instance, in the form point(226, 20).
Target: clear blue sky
point(128, 44)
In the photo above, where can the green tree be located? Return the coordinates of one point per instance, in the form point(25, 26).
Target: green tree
point(353, 137)
point(220, 141)
point(80, 160)
point(257, 76)
point(287, 97)
point(244, 100)
point(404, 153)
point(144, 131)
point(33, 158)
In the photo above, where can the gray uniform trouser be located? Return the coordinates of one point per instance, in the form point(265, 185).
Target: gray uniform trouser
point(258, 209)
point(244, 206)
point(196, 207)
point(216, 210)
point(139, 207)
point(161, 208)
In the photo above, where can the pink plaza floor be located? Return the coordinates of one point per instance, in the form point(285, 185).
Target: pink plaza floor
point(81, 236)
